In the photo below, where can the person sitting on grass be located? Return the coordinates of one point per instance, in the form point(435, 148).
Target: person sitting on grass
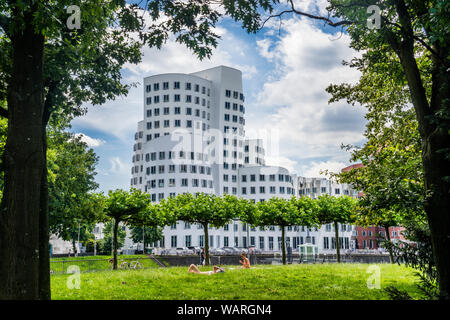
point(194, 269)
point(244, 261)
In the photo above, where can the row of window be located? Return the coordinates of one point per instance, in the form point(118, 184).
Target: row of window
point(236, 95)
point(177, 111)
point(271, 177)
point(235, 106)
point(184, 182)
point(322, 190)
point(344, 243)
point(183, 168)
point(234, 118)
point(272, 190)
point(176, 124)
point(244, 226)
point(163, 155)
point(177, 85)
point(177, 98)
point(215, 241)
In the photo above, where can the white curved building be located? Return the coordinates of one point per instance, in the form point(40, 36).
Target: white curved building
point(192, 139)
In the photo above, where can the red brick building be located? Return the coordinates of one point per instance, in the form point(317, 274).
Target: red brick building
point(368, 238)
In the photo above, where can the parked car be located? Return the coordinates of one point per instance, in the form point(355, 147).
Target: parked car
point(255, 250)
point(228, 250)
point(217, 251)
point(242, 250)
point(196, 250)
point(234, 250)
point(184, 251)
point(170, 251)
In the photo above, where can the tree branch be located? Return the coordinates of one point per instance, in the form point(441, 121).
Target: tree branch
point(328, 21)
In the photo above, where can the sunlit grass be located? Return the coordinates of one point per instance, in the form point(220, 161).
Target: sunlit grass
point(319, 281)
point(96, 263)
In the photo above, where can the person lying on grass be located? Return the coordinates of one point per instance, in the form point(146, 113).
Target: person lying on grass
point(244, 261)
point(194, 269)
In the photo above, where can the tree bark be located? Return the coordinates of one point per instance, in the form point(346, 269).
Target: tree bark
point(283, 244)
point(435, 148)
point(116, 227)
point(44, 234)
point(205, 228)
point(388, 239)
point(24, 168)
point(338, 243)
point(437, 208)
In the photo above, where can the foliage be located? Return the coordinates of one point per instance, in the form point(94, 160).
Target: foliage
point(283, 213)
point(71, 178)
point(124, 206)
point(106, 244)
point(204, 209)
point(148, 234)
point(336, 210)
point(417, 253)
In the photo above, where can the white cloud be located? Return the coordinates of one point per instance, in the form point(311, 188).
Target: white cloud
point(315, 169)
point(119, 117)
point(91, 142)
point(295, 103)
point(117, 166)
point(282, 162)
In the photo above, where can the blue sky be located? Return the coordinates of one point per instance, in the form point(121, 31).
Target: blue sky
point(284, 76)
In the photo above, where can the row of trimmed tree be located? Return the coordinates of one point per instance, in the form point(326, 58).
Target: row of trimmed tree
point(135, 208)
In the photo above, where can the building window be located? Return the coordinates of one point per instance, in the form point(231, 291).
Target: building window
point(173, 241)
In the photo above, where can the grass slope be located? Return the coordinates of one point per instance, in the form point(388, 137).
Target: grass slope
point(302, 282)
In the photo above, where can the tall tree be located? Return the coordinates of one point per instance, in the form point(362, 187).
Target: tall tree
point(47, 68)
point(336, 210)
point(206, 210)
point(71, 178)
point(415, 36)
point(282, 213)
point(145, 235)
point(122, 206)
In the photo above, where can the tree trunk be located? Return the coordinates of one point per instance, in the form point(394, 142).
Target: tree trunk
point(143, 240)
point(20, 232)
point(44, 234)
point(205, 228)
point(388, 239)
point(437, 208)
point(435, 141)
point(74, 246)
point(338, 243)
point(116, 227)
point(283, 244)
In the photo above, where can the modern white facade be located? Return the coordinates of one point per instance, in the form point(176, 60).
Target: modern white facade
point(192, 139)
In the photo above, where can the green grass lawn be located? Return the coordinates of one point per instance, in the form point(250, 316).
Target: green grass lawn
point(97, 263)
point(306, 281)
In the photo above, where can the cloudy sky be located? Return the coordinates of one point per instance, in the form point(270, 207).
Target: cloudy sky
point(285, 73)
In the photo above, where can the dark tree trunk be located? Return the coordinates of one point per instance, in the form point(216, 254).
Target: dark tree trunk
point(20, 219)
point(338, 243)
point(205, 228)
point(143, 240)
point(44, 238)
point(437, 208)
point(283, 244)
point(435, 139)
point(388, 239)
point(116, 227)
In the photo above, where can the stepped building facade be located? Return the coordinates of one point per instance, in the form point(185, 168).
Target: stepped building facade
point(192, 139)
